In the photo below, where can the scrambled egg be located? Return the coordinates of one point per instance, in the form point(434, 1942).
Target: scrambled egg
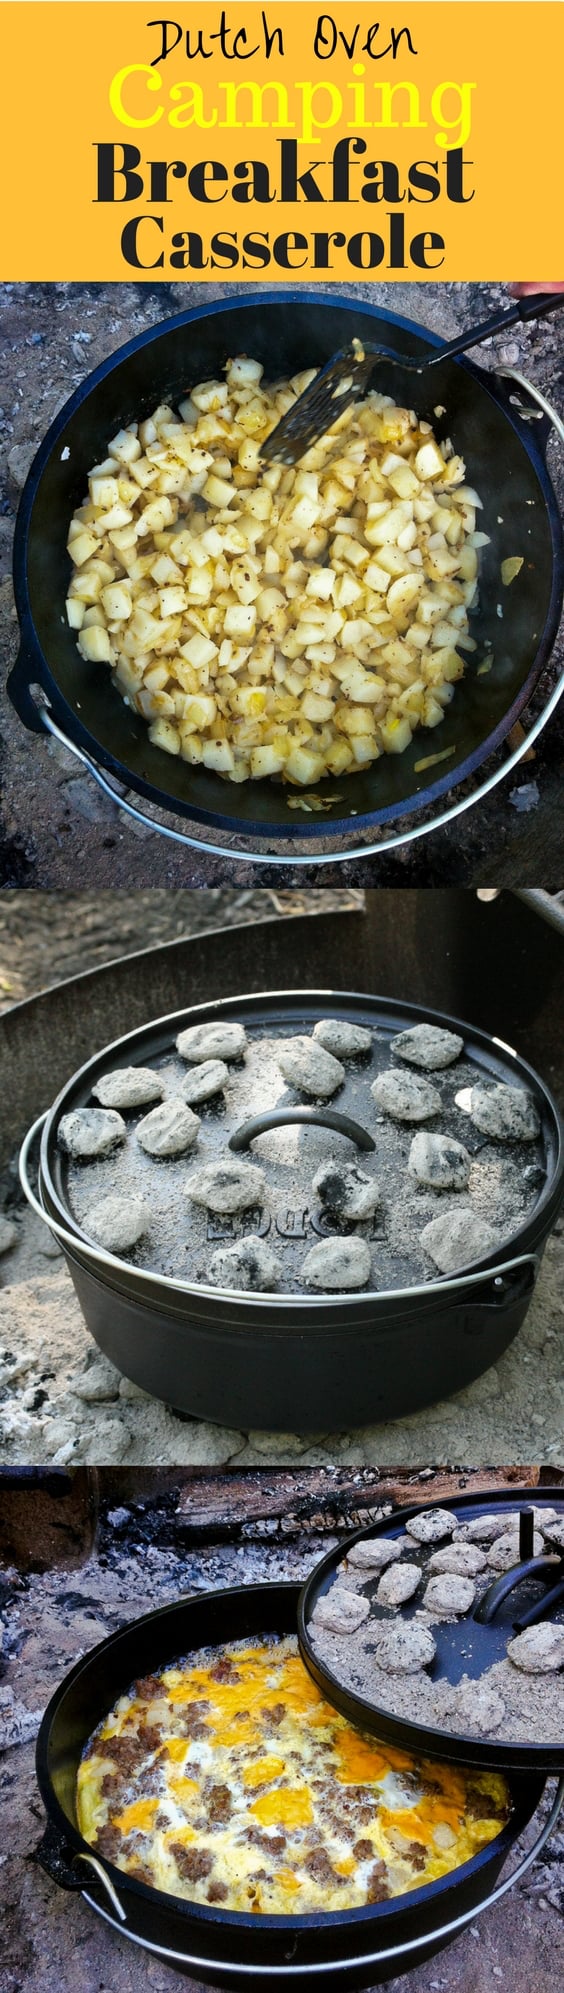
point(229, 1780)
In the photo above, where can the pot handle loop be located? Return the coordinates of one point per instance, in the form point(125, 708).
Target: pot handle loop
point(362, 851)
point(59, 1862)
point(104, 1879)
point(324, 1117)
point(23, 675)
point(544, 407)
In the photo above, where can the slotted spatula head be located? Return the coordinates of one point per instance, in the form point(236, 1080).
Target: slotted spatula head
point(345, 379)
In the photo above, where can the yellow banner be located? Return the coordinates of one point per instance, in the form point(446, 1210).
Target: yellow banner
point(281, 142)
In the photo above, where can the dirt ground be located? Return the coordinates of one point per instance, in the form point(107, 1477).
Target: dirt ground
point(56, 822)
point(45, 937)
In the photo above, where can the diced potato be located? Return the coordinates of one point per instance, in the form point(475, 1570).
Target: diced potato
point(117, 602)
point(75, 611)
point(163, 734)
point(239, 620)
point(269, 620)
point(94, 644)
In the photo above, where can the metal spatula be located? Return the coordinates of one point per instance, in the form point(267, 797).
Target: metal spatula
point(346, 378)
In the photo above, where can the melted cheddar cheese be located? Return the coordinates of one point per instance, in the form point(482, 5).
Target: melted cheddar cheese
point(229, 1780)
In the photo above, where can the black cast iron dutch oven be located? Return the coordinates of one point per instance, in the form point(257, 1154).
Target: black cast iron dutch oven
point(297, 1362)
point(504, 454)
point(354, 1948)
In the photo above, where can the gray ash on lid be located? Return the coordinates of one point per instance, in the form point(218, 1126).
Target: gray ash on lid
point(516, 1698)
point(291, 1216)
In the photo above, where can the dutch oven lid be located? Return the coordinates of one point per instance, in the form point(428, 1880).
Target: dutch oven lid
point(519, 1182)
point(450, 1705)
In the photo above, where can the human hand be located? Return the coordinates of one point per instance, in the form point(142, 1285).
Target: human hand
point(525, 290)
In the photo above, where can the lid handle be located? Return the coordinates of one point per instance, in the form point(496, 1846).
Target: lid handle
point(325, 1117)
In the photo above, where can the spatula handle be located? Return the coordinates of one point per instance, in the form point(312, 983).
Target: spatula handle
point(534, 306)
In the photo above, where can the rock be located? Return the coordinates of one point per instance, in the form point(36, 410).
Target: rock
point(343, 1187)
point(8, 1234)
point(169, 1130)
point(98, 1385)
point(205, 1081)
point(20, 459)
point(227, 1186)
point(117, 1223)
point(82, 794)
point(398, 1584)
point(427, 1045)
point(456, 1238)
point(539, 1650)
point(431, 1526)
point(340, 1611)
point(129, 1086)
point(439, 1161)
point(506, 1113)
point(405, 1097)
point(446, 1596)
point(212, 1041)
point(375, 1554)
point(111, 1441)
point(337, 1264)
point(464, 1560)
point(89, 1132)
point(308, 1067)
point(403, 1650)
point(344, 1040)
point(249, 1264)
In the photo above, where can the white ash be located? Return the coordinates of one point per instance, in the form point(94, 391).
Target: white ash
point(554, 1531)
point(432, 1525)
point(212, 1041)
point(17, 1724)
point(376, 1554)
point(439, 1161)
point(505, 1113)
point(427, 1045)
point(170, 1130)
point(129, 1086)
point(463, 1559)
point(345, 1188)
point(477, 1707)
point(204, 1081)
point(337, 1264)
point(456, 1238)
point(403, 1650)
point(8, 1234)
point(308, 1067)
point(406, 1097)
point(341, 1611)
point(448, 1595)
point(250, 1263)
point(345, 1041)
point(398, 1584)
point(228, 1186)
point(117, 1223)
point(506, 1552)
point(539, 1650)
point(89, 1132)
